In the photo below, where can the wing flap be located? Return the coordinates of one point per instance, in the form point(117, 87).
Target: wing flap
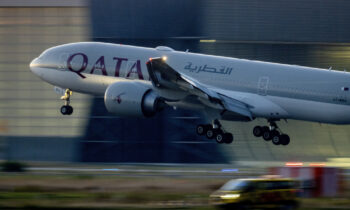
point(164, 76)
point(236, 106)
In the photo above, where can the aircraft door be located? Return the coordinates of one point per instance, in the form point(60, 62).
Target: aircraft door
point(263, 85)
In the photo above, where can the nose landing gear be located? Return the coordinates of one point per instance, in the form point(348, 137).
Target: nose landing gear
point(216, 132)
point(271, 133)
point(66, 109)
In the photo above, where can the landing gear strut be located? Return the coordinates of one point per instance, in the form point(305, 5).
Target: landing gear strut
point(215, 131)
point(66, 109)
point(271, 132)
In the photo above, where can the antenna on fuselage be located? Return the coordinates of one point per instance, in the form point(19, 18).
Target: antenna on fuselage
point(187, 50)
point(330, 68)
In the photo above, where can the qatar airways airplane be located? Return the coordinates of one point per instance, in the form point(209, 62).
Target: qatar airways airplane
point(139, 82)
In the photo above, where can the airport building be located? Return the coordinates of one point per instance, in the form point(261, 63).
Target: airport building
point(311, 33)
point(30, 124)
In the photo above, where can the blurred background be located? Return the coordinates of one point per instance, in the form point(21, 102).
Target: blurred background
point(313, 33)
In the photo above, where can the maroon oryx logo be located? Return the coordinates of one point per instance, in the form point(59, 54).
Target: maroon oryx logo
point(118, 98)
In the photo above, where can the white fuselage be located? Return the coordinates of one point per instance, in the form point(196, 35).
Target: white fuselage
point(273, 91)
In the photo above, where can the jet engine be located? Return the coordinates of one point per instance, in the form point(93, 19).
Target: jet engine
point(133, 99)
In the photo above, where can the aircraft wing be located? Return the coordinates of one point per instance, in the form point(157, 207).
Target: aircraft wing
point(164, 76)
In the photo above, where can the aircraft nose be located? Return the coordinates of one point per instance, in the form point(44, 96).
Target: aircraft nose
point(34, 66)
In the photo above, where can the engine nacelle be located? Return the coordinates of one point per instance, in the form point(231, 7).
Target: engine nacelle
point(132, 99)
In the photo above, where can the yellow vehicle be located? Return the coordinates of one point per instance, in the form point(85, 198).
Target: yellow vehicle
point(258, 192)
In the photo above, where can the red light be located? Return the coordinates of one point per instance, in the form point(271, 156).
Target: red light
point(317, 164)
point(294, 164)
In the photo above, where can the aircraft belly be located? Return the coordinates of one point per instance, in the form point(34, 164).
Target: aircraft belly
point(314, 111)
point(260, 106)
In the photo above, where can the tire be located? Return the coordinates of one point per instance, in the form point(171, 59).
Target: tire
point(219, 137)
point(276, 138)
point(70, 110)
point(285, 140)
point(201, 129)
point(210, 134)
point(258, 131)
point(64, 110)
point(267, 135)
point(228, 138)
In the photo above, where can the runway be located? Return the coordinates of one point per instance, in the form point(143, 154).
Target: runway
point(156, 170)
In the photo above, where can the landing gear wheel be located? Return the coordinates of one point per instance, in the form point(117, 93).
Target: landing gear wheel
point(265, 128)
point(220, 137)
point(271, 133)
point(202, 129)
point(70, 110)
point(258, 131)
point(267, 135)
point(276, 138)
point(285, 139)
point(212, 132)
point(66, 110)
point(228, 138)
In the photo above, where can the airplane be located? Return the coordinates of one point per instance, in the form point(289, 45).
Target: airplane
point(140, 82)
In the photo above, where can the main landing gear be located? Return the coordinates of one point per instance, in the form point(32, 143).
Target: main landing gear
point(216, 132)
point(271, 133)
point(66, 109)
